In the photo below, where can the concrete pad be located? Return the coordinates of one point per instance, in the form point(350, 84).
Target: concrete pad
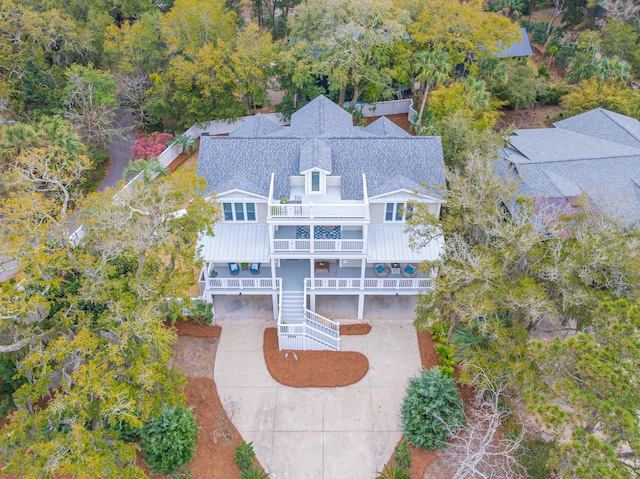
point(243, 336)
point(384, 444)
point(229, 307)
point(242, 368)
point(384, 371)
point(385, 418)
point(390, 307)
point(262, 446)
point(387, 336)
point(349, 455)
point(348, 409)
point(297, 455)
point(290, 401)
point(257, 407)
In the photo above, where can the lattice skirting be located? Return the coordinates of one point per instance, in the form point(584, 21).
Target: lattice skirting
point(319, 232)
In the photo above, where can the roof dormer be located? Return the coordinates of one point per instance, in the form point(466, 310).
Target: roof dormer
point(315, 165)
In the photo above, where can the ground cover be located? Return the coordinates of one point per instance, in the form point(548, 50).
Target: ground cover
point(312, 368)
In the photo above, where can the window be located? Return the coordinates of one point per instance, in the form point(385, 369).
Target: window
point(398, 212)
point(239, 211)
point(315, 181)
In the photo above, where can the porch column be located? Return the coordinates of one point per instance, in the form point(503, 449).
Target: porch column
point(312, 301)
point(274, 294)
point(363, 270)
point(312, 241)
point(361, 306)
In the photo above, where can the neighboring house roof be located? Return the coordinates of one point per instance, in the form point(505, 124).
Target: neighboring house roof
point(321, 136)
point(596, 153)
point(259, 125)
point(521, 48)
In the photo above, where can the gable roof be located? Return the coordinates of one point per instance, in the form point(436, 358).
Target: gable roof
point(322, 135)
point(257, 125)
point(385, 127)
point(596, 153)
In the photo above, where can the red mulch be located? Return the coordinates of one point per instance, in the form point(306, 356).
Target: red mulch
point(354, 329)
point(319, 369)
point(195, 330)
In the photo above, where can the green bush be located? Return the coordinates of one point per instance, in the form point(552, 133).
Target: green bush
point(254, 472)
point(9, 382)
point(439, 330)
point(393, 471)
point(244, 455)
point(552, 94)
point(431, 409)
point(447, 359)
point(533, 457)
point(183, 473)
point(402, 454)
point(169, 441)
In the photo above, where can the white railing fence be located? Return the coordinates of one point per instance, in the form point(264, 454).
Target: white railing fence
point(369, 283)
point(318, 245)
point(243, 283)
point(298, 210)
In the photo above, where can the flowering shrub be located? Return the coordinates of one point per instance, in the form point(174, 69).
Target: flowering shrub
point(150, 146)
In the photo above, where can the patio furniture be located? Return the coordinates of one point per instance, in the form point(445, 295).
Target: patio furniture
point(322, 266)
point(410, 271)
point(255, 268)
point(380, 271)
point(234, 269)
point(395, 268)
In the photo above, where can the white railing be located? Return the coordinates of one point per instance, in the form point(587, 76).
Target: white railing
point(318, 245)
point(319, 320)
point(305, 337)
point(369, 283)
point(243, 283)
point(321, 211)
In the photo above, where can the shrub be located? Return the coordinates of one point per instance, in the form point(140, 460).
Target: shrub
point(533, 457)
point(393, 471)
point(431, 410)
point(150, 146)
point(447, 360)
point(169, 441)
point(402, 454)
point(552, 94)
point(244, 455)
point(254, 472)
point(183, 473)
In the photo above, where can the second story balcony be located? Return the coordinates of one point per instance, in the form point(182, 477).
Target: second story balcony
point(324, 238)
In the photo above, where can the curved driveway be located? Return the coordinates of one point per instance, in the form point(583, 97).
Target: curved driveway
point(319, 433)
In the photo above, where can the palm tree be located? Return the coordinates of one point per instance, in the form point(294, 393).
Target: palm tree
point(58, 131)
point(613, 69)
point(185, 142)
point(17, 138)
point(149, 168)
point(477, 96)
point(432, 67)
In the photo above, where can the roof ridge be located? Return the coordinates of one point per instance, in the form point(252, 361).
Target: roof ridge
point(606, 112)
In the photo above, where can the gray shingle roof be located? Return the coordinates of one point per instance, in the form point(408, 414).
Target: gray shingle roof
point(257, 125)
point(390, 161)
point(385, 127)
point(315, 153)
point(597, 153)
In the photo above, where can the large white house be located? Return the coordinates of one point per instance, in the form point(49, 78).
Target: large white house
point(317, 208)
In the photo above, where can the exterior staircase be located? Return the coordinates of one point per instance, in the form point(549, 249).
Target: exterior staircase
point(302, 329)
point(292, 308)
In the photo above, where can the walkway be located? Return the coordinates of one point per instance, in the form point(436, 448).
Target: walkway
point(119, 150)
point(319, 433)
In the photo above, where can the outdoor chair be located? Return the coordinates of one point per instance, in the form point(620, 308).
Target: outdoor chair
point(234, 269)
point(380, 271)
point(255, 268)
point(410, 271)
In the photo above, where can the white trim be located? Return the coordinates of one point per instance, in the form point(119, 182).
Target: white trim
point(419, 197)
point(315, 168)
point(242, 192)
point(245, 212)
point(308, 182)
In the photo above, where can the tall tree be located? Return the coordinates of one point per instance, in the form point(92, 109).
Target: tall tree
point(432, 67)
point(88, 320)
point(351, 40)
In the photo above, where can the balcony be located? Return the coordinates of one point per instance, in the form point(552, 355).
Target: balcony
point(295, 239)
point(226, 283)
point(330, 208)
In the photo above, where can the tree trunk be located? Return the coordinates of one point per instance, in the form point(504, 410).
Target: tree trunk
point(423, 103)
point(343, 92)
point(356, 94)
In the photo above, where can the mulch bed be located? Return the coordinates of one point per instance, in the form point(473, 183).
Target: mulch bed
point(320, 369)
point(354, 329)
point(195, 330)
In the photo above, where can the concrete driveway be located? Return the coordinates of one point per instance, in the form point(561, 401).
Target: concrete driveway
point(319, 433)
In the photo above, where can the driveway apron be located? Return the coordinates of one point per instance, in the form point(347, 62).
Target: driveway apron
point(318, 433)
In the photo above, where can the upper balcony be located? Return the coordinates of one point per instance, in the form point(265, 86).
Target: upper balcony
point(328, 208)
